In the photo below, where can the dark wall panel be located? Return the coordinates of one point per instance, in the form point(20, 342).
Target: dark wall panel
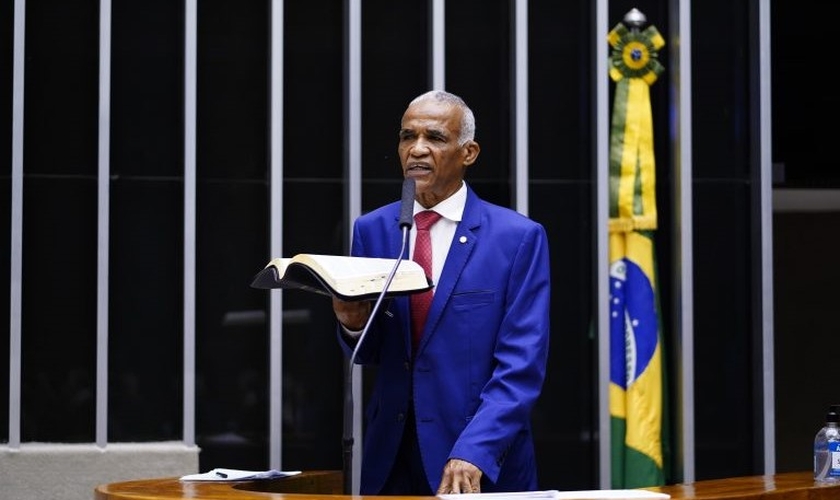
point(146, 222)
point(232, 148)
point(725, 231)
point(59, 225)
point(314, 109)
point(59, 310)
point(726, 407)
point(565, 418)
point(232, 102)
point(803, 148)
point(805, 329)
point(146, 310)
point(147, 89)
point(561, 198)
point(561, 98)
point(313, 222)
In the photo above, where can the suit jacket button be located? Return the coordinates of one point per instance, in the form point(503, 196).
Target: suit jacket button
point(407, 365)
point(400, 417)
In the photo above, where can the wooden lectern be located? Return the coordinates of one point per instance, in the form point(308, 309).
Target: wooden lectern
point(328, 485)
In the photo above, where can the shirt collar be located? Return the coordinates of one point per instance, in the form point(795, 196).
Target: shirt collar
point(451, 208)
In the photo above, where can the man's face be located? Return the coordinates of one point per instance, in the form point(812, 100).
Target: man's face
point(429, 150)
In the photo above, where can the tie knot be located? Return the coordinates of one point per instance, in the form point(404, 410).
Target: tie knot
point(426, 219)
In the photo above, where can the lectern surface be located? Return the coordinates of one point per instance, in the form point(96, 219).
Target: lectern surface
point(308, 485)
point(328, 485)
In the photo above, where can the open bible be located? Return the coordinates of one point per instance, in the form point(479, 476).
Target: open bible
point(348, 278)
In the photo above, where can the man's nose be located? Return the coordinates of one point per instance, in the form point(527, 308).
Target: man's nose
point(420, 147)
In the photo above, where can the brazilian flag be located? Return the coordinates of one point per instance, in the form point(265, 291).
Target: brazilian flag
point(637, 393)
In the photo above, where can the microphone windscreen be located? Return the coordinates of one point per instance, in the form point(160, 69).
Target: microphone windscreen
point(407, 207)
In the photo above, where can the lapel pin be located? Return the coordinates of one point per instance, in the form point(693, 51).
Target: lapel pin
point(463, 239)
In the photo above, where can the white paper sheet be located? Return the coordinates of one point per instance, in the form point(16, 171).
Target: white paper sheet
point(563, 495)
point(237, 475)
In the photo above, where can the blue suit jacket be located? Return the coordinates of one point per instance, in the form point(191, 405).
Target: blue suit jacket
point(481, 363)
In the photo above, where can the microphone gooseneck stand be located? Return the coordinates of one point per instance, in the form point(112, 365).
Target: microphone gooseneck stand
point(348, 381)
point(406, 221)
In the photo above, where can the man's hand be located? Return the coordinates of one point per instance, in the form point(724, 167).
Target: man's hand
point(353, 315)
point(460, 476)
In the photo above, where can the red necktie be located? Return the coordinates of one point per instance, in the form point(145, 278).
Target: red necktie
point(420, 302)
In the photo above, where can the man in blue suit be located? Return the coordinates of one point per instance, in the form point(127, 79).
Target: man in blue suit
point(452, 415)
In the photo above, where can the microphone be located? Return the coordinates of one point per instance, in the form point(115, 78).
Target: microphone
point(409, 187)
point(406, 221)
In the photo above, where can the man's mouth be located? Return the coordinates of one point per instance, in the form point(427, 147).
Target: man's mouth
point(418, 168)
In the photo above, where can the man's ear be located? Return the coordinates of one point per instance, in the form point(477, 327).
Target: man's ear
point(471, 149)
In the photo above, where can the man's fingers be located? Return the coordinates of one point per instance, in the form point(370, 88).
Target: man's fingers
point(460, 476)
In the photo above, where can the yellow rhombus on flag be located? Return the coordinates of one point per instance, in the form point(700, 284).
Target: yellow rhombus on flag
point(637, 392)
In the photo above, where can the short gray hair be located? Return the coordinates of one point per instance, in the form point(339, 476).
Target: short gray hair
point(467, 132)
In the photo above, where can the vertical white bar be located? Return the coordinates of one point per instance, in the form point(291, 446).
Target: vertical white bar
point(354, 109)
point(438, 77)
point(602, 148)
point(190, 63)
point(684, 252)
point(521, 105)
point(17, 225)
point(354, 172)
point(103, 221)
point(766, 138)
point(275, 323)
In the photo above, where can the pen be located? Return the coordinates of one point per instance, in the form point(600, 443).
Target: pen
point(221, 474)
